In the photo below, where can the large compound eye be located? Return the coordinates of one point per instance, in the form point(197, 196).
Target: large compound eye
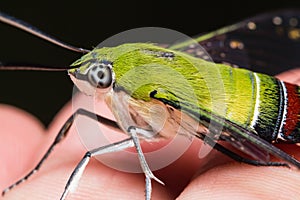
point(100, 75)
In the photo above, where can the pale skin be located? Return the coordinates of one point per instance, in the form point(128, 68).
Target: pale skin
point(24, 140)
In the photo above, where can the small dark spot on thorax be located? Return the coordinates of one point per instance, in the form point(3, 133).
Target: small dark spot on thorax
point(160, 54)
point(167, 55)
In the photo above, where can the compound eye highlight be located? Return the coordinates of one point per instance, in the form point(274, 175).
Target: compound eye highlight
point(100, 75)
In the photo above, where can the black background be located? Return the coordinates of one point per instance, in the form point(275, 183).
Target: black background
point(87, 23)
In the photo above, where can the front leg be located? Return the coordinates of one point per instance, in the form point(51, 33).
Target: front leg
point(76, 174)
point(133, 141)
point(133, 131)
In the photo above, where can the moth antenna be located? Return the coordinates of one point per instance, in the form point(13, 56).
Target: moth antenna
point(33, 67)
point(5, 18)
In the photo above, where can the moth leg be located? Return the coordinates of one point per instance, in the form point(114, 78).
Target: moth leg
point(76, 174)
point(237, 157)
point(60, 136)
point(133, 131)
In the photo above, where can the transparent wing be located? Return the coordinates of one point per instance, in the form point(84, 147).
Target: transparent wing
point(245, 146)
point(248, 142)
point(267, 43)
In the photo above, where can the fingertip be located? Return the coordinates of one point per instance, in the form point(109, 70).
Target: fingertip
point(20, 135)
point(291, 76)
point(234, 180)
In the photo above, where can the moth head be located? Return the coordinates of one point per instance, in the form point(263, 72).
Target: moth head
point(93, 75)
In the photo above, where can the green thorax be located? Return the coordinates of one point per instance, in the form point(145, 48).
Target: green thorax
point(191, 84)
